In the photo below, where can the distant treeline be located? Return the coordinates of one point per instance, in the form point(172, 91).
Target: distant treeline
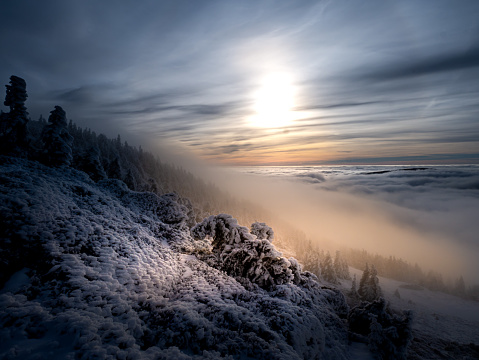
point(398, 269)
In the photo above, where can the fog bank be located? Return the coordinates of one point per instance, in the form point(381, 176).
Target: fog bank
point(426, 216)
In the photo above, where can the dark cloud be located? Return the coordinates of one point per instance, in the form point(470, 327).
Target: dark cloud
point(228, 149)
point(86, 95)
point(440, 63)
point(406, 159)
point(338, 105)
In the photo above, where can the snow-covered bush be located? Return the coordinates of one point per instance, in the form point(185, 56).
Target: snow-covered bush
point(262, 231)
point(190, 211)
point(241, 254)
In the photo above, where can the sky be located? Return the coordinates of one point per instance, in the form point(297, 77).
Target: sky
point(262, 82)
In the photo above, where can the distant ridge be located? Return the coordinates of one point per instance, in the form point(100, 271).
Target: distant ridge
point(388, 171)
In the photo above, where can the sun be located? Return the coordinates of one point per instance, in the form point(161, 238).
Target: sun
point(274, 101)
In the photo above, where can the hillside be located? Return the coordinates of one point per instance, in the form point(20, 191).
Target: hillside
point(444, 326)
point(95, 270)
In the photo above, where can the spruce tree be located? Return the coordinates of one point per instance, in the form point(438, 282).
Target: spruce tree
point(13, 125)
point(354, 289)
point(114, 169)
point(327, 270)
point(57, 142)
point(373, 290)
point(337, 264)
point(311, 259)
point(341, 267)
point(363, 282)
point(90, 163)
point(130, 180)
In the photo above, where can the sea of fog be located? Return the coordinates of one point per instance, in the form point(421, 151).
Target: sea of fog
point(425, 214)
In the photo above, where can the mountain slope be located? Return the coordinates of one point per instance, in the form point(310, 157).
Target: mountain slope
point(94, 270)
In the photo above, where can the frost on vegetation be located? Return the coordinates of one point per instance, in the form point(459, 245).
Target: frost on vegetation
point(247, 255)
point(262, 231)
point(57, 142)
point(104, 275)
point(388, 334)
point(369, 289)
point(13, 125)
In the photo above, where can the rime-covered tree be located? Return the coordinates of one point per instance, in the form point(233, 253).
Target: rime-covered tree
point(151, 185)
point(90, 163)
point(373, 290)
point(13, 125)
point(388, 333)
point(57, 142)
point(312, 258)
point(114, 169)
point(130, 180)
point(190, 212)
point(353, 293)
point(262, 231)
point(243, 255)
point(341, 267)
point(327, 270)
point(363, 282)
point(369, 289)
point(16, 96)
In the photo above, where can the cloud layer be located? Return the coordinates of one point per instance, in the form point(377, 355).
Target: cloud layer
point(423, 214)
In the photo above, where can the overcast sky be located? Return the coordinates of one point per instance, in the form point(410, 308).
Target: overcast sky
point(365, 81)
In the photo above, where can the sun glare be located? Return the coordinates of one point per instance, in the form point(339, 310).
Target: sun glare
point(274, 101)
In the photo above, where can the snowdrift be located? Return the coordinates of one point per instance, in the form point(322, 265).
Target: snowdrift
point(94, 270)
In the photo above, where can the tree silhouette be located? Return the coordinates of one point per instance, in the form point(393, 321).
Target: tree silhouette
point(13, 125)
point(57, 142)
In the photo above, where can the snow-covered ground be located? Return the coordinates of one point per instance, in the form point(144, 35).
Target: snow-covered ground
point(99, 271)
point(94, 270)
point(436, 315)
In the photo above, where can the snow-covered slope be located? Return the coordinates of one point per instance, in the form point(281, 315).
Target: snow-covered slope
point(94, 270)
point(444, 326)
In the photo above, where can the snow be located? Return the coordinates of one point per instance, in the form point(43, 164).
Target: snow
point(436, 313)
point(437, 316)
point(99, 271)
point(17, 281)
point(360, 351)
